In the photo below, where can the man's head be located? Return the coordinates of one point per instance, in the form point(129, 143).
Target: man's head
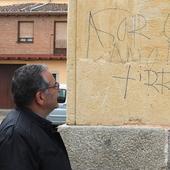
point(34, 86)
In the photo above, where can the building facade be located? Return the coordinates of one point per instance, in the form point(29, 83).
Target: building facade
point(31, 33)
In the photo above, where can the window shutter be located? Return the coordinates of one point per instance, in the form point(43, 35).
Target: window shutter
point(26, 29)
point(61, 35)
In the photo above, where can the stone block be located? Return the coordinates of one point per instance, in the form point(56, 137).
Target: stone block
point(119, 62)
point(116, 148)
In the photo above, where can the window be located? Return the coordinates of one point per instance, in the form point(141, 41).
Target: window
point(60, 38)
point(25, 31)
point(56, 76)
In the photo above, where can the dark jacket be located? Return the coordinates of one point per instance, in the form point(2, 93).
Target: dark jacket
point(29, 142)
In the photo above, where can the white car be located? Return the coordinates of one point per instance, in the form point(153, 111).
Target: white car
point(58, 115)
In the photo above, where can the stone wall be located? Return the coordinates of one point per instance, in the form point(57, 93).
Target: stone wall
point(116, 148)
point(118, 85)
point(119, 62)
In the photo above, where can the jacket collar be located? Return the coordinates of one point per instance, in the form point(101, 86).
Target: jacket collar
point(42, 122)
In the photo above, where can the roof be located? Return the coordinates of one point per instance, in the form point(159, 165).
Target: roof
point(34, 9)
point(31, 57)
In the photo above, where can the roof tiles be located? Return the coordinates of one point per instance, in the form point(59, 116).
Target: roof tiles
point(34, 8)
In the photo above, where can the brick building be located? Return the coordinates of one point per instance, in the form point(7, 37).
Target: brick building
point(31, 33)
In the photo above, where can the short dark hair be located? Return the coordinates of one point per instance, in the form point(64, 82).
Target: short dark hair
point(26, 81)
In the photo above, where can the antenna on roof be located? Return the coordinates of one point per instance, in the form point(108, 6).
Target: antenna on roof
point(38, 6)
point(32, 5)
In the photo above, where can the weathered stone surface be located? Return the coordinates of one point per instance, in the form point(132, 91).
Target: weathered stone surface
point(119, 62)
point(168, 150)
point(118, 74)
point(116, 148)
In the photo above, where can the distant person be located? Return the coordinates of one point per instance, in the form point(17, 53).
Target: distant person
point(27, 140)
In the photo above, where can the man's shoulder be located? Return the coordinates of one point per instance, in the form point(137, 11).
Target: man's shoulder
point(14, 121)
point(15, 126)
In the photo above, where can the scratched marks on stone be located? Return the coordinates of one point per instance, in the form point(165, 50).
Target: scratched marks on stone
point(157, 81)
point(118, 40)
point(166, 32)
point(126, 80)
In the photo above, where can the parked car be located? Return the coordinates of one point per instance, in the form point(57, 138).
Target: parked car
point(58, 115)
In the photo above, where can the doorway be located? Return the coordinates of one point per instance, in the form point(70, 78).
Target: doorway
point(6, 73)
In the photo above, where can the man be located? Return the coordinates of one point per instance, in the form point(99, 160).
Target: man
point(27, 140)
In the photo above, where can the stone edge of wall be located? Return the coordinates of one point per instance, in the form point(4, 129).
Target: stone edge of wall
point(117, 147)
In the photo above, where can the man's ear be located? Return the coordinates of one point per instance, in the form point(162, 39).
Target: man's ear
point(40, 98)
